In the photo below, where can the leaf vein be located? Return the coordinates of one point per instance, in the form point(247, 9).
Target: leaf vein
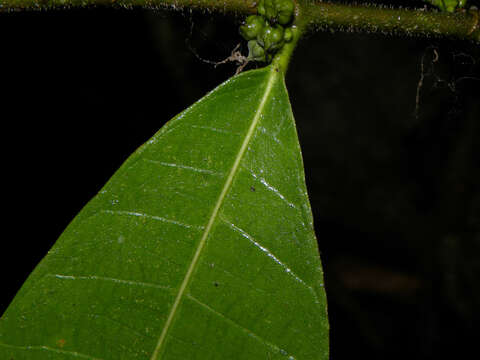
point(153, 217)
point(244, 329)
point(186, 167)
point(271, 188)
point(102, 278)
point(222, 131)
point(226, 187)
point(47, 348)
point(271, 256)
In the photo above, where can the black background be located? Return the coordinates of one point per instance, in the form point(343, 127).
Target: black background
point(395, 196)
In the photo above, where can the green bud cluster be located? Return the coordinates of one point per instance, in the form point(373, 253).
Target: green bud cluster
point(448, 5)
point(280, 11)
point(268, 31)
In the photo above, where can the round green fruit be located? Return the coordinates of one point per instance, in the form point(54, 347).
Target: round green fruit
point(272, 38)
point(285, 9)
point(252, 27)
point(255, 51)
point(288, 35)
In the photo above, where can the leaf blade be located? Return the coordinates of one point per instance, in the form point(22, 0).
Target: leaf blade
point(198, 203)
point(214, 215)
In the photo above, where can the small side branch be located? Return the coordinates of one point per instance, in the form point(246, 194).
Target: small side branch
point(463, 24)
point(225, 6)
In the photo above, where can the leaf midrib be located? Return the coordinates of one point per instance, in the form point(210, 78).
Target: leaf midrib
point(226, 187)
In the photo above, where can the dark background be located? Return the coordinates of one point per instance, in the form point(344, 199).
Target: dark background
point(395, 196)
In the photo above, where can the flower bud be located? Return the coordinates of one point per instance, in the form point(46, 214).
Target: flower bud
point(255, 51)
point(252, 27)
point(285, 9)
point(280, 11)
point(288, 35)
point(271, 38)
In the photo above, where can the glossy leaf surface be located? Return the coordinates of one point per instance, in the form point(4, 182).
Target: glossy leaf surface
point(201, 246)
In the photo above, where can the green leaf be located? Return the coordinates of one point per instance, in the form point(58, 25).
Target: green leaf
point(201, 246)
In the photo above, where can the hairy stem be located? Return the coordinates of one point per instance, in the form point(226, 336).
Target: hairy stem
point(390, 21)
point(232, 6)
point(312, 14)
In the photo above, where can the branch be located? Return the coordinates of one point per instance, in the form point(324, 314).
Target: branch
point(462, 24)
point(311, 14)
point(231, 6)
